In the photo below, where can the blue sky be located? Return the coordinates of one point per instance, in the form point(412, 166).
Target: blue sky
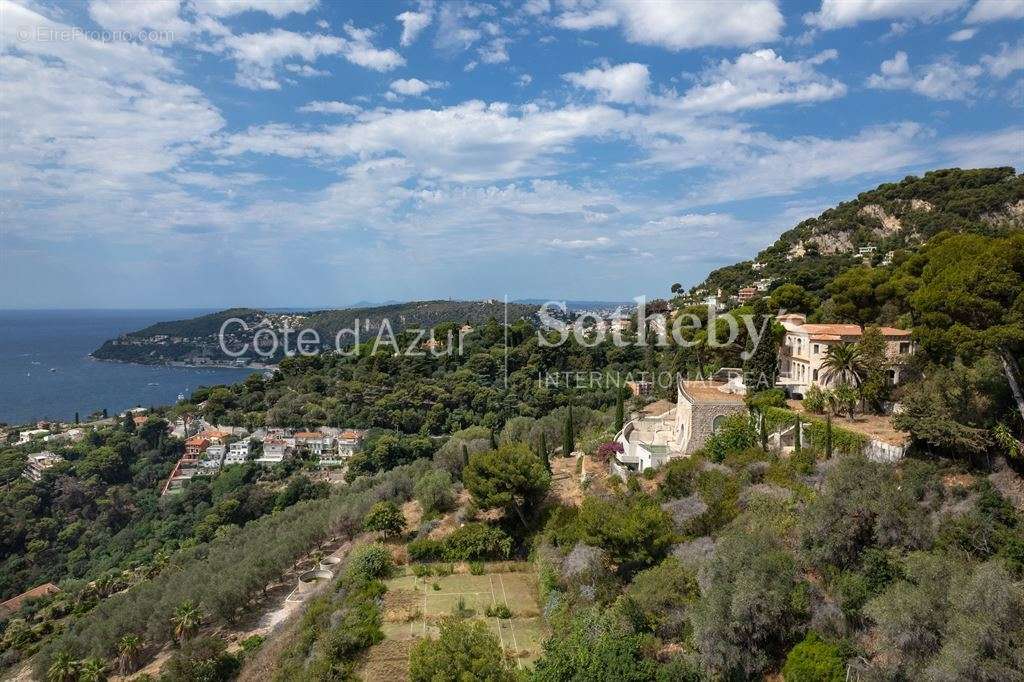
point(209, 153)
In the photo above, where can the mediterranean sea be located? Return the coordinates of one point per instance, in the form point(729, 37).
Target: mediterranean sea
point(46, 371)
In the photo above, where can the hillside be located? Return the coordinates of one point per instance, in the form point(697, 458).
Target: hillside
point(195, 341)
point(891, 218)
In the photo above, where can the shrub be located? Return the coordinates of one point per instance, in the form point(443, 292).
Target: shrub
point(385, 517)
point(433, 490)
point(735, 434)
point(477, 541)
point(814, 660)
point(476, 568)
point(499, 611)
point(814, 401)
point(421, 570)
point(680, 477)
point(465, 650)
point(370, 562)
point(424, 549)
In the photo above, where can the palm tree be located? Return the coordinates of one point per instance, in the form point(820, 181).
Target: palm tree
point(92, 670)
point(186, 620)
point(128, 649)
point(64, 668)
point(845, 362)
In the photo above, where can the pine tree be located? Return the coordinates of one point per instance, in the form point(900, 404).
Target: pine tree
point(129, 422)
point(797, 436)
point(619, 410)
point(567, 435)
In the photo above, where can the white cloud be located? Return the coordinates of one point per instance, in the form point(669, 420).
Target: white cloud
point(680, 25)
point(495, 51)
point(413, 24)
point(762, 79)
point(962, 35)
point(523, 80)
point(413, 87)
point(1008, 60)
point(321, 107)
point(944, 79)
point(275, 8)
point(127, 15)
point(995, 10)
point(704, 225)
point(620, 83)
point(835, 14)
point(469, 142)
point(777, 167)
point(985, 150)
point(537, 7)
point(580, 244)
point(259, 54)
point(359, 50)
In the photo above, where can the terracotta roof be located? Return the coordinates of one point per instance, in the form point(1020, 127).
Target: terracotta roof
point(833, 329)
point(709, 392)
point(893, 331)
point(13, 605)
point(825, 337)
point(197, 440)
point(352, 434)
point(308, 434)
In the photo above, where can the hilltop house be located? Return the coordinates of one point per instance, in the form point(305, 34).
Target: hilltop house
point(39, 462)
point(238, 452)
point(274, 451)
point(805, 347)
point(663, 431)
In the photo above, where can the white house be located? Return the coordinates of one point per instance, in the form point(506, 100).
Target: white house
point(39, 462)
point(213, 457)
point(663, 431)
point(274, 451)
point(238, 452)
point(805, 347)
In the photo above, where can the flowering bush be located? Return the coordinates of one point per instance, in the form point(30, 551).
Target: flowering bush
point(607, 450)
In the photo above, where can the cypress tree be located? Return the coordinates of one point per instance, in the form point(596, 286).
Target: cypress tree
point(129, 422)
point(76, 418)
point(494, 441)
point(764, 431)
point(619, 410)
point(828, 435)
point(567, 435)
point(797, 437)
point(544, 451)
point(762, 367)
point(465, 455)
point(104, 413)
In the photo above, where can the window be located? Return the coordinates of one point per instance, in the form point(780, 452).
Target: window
point(717, 423)
point(904, 347)
point(815, 375)
point(817, 349)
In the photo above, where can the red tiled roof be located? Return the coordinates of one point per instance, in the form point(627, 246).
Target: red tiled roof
point(833, 329)
point(893, 331)
point(709, 392)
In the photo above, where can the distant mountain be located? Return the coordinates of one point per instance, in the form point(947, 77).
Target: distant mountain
point(196, 340)
point(890, 218)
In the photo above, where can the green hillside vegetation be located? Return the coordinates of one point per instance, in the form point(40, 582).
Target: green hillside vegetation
point(739, 562)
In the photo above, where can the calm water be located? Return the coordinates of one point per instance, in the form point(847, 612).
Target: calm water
point(33, 341)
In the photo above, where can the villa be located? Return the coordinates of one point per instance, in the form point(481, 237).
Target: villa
point(274, 451)
point(39, 462)
point(805, 347)
point(663, 431)
point(238, 452)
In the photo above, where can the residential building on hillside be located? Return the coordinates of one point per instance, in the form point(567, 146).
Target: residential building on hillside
point(39, 462)
point(746, 293)
point(238, 452)
point(274, 451)
point(213, 458)
point(195, 446)
point(349, 441)
point(662, 431)
point(805, 347)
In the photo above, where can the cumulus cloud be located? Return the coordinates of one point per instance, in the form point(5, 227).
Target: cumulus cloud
point(945, 79)
point(126, 15)
point(762, 79)
point(834, 14)
point(623, 83)
point(258, 55)
point(680, 25)
point(413, 24)
point(413, 87)
point(985, 11)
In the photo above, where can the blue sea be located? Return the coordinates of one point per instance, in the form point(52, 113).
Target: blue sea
point(32, 342)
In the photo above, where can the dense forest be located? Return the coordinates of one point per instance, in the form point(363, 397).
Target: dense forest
point(740, 562)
